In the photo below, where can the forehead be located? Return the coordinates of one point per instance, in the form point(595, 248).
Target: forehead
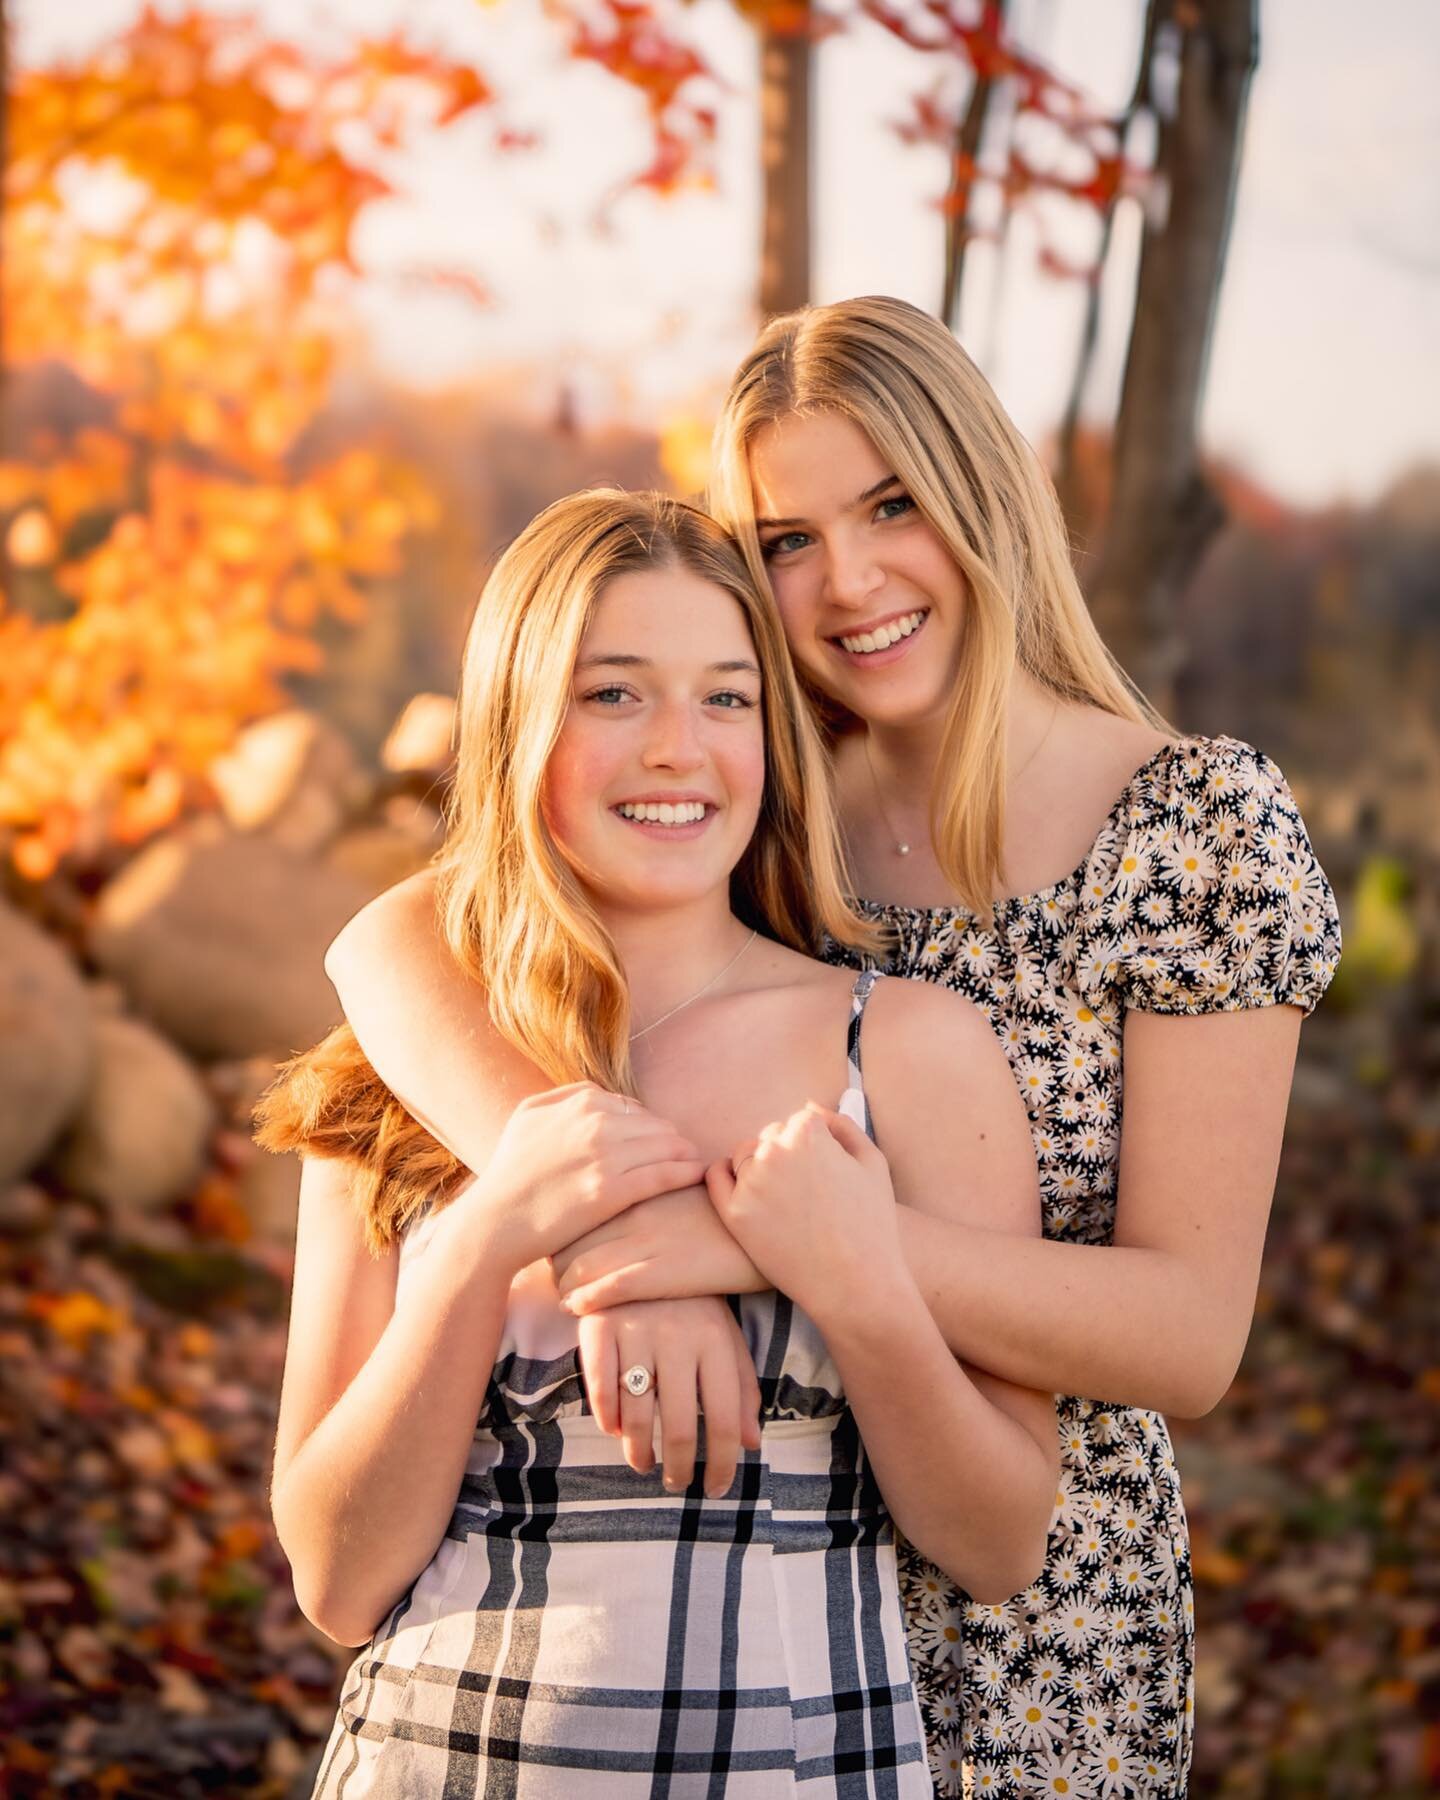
point(668, 614)
point(811, 463)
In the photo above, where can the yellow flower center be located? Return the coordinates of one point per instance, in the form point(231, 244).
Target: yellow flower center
point(1112, 1763)
point(1033, 1714)
point(1192, 863)
point(1084, 1015)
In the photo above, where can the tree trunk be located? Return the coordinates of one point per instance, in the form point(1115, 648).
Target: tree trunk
point(1073, 499)
point(1163, 512)
point(959, 200)
point(785, 58)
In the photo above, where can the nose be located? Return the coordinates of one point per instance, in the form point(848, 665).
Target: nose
point(673, 741)
point(852, 575)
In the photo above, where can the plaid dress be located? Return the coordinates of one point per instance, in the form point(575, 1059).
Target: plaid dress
point(580, 1632)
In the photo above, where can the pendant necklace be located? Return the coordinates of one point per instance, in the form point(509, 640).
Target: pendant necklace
point(901, 847)
point(635, 1036)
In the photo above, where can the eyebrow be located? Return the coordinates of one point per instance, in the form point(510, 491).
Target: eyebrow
point(871, 493)
point(622, 661)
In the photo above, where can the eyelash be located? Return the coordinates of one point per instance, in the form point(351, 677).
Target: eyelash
point(743, 701)
point(903, 501)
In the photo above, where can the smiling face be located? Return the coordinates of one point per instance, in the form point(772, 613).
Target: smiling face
point(873, 604)
point(654, 787)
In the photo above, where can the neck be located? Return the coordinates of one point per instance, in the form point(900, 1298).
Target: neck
point(667, 956)
point(906, 757)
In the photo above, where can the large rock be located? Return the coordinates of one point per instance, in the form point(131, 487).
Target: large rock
point(220, 940)
point(138, 1140)
point(46, 1039)
point(292, 776)
point(421, 740)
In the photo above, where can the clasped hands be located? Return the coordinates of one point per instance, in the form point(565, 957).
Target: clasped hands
point(807, 1207)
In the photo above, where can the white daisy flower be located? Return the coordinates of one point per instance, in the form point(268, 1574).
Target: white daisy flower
point(1110, 1666)
point(1062, 1774)
point(947, 1764)
point(1190, 860)
point(1036, 1720)
point(1131, 1576)
point(1161, 1615)
point(1079, 1622)
point(937, 1638)
point(1034, 1076)
point(1047, 1673)
point(988, 1673)
point(977, 953)
point(1132, 872)
point(1115, 1765)
point(1132, 1706)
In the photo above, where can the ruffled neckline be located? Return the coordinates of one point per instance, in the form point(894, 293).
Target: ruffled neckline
point(895, 911)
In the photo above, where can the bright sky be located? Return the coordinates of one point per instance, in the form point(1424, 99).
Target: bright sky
point(1325, 374)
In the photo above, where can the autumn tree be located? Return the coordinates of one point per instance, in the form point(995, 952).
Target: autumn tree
point(179, 218)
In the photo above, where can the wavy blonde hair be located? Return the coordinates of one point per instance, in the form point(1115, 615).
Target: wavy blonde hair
point(514, 913)
point(902, 377)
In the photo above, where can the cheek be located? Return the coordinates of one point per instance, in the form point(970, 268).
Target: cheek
point(575, 777)
point(742, 757)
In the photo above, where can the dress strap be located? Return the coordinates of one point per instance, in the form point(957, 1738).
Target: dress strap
point(853, 1103)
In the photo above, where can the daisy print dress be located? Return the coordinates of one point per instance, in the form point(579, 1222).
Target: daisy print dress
point(1201, 894)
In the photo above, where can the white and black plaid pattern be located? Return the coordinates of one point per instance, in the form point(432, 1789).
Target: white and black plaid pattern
point(580, 1632)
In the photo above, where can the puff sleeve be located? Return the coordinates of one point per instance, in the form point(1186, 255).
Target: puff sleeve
point(1204, 894)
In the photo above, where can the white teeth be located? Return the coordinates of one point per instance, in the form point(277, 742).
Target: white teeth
point(652, 812)
point(885, 636)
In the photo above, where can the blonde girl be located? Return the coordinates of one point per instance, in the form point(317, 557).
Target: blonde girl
point(1119, 899)
point(641, 860)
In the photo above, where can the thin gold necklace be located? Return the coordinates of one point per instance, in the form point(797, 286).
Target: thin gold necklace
point(902, 848)
point(635, 1036)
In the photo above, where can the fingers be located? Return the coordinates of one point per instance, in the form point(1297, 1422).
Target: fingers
point(654, 1178)
point(600, 1366)
point(679, 1415)
point(619, 1287)
point(720, 1185)
point(750, 1397)
point(848, 1135)
point(720, 1400)
point(637, 1424)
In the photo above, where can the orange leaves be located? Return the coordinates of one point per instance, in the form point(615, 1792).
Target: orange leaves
point(180, 210)
point(185, 618)
point(634, 46)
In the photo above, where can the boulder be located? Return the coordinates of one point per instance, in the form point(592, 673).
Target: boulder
point(292, 776)
point(46, 1043)
point(420, 740)
point(139, 1138)
point(219, 940)
point(377, 856)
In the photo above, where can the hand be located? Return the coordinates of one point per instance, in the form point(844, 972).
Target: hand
point(692, 1348)
point(669, 1248)
point(810, 1201)
point(567, 1161)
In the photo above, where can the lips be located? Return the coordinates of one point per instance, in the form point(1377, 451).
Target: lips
point(884, 635)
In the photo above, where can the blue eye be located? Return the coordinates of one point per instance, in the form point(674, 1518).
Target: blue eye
point(732, 700)
point(902, 501)
point(782, 546)
point(609, 696)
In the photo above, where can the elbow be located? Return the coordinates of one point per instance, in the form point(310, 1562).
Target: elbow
point(1000, 1571)
point(342, 1623)
point(1205, 1383)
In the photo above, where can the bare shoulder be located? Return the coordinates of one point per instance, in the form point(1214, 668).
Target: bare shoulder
point(1102, 750)
point(911, 1026)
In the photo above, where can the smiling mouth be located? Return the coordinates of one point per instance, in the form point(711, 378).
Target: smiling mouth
point(866, 643)
point(663, 812)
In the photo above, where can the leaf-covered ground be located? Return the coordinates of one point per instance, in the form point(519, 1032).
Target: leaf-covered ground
point(149, 1644)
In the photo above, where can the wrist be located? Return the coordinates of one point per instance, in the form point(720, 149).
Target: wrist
point(865, 1297)
point(484, 1233)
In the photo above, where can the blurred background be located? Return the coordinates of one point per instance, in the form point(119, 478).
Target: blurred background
point(306, 309)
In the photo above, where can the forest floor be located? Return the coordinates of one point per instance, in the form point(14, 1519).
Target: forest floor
point(150, 1646)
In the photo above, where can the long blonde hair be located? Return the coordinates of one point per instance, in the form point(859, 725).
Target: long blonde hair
point(513, 911)
point(902, 377)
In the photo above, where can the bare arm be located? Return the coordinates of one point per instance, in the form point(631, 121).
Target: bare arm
point(968, 1461)
point(379, 1403)
point(381, 1395)
point(1167, 1308)
point(967, 1464)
